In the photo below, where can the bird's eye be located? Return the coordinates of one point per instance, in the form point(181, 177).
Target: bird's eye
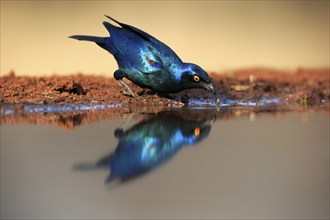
point(197, 131)
point(196, 78)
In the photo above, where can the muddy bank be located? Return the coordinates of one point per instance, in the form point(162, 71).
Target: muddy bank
point(21, 114)
point(303, 86)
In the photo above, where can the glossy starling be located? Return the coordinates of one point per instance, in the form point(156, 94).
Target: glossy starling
point(148, 62)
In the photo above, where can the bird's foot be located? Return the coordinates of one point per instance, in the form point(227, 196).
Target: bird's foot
point(130, 94)
point(148, 94)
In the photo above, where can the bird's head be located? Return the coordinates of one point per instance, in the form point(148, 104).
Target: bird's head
point(194, 76)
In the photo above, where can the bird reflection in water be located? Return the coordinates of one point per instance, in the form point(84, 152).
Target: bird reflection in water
point(152, 142)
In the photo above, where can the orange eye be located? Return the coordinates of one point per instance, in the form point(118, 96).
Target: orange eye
point(196, 78)
point(197, 131)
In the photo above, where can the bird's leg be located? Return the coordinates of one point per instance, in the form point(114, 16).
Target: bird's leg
point(119, 75)
point(129, 91)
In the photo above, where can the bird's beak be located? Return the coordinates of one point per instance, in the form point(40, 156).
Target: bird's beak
point(210, 88)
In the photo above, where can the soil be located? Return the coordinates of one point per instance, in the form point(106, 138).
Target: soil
point(301, 89)
point(303, 86)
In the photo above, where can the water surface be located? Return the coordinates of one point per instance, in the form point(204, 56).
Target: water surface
point(222, 163)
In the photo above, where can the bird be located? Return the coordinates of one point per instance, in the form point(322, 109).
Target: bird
point(151, 143)
point(148, 62)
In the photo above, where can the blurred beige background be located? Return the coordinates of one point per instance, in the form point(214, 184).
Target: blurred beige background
point(216, 35)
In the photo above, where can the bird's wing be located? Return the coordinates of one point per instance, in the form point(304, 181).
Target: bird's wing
point(133, 41)
point(138, 52)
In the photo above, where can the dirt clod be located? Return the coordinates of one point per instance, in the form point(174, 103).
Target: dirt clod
point(69, 86)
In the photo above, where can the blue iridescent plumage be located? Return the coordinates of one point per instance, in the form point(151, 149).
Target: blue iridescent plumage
point(148, 62)
point(151, 143)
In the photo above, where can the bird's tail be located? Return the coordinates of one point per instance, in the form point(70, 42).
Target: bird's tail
point(89, 38)
point(101, 41)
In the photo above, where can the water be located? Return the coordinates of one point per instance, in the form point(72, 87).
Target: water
point(229, 162)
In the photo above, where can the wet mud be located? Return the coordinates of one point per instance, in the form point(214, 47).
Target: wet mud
point(74, 118)
point(73, 101)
